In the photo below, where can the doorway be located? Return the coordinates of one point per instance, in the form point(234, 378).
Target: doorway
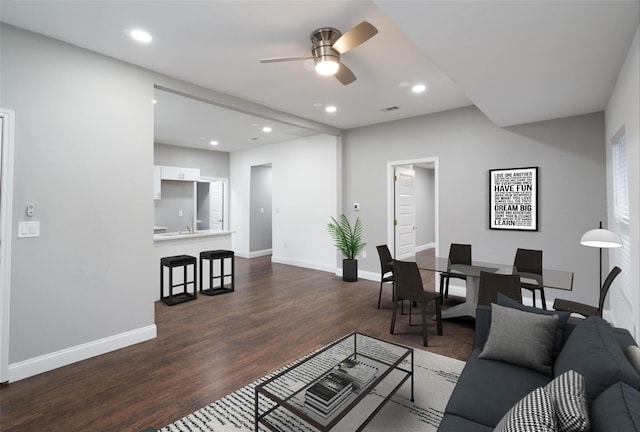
point(412, 206)
point(7, 119)
point(260, 211)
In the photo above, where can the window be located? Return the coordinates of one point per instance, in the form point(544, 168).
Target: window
point(622, 256)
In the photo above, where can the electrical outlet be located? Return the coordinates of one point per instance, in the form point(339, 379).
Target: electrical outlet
point(364, 254)
point(180, 213)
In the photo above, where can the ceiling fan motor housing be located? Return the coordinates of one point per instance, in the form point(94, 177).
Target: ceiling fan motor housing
point(322, 41)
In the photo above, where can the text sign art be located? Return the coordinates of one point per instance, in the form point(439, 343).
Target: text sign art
point(514, 199)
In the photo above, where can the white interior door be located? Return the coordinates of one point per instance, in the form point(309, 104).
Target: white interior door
point(7, 120)
point(216, 205)
point(405, 215)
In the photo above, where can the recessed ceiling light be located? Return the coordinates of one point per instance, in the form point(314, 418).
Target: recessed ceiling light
point(214, 143)
point(418, 88)
point(155, 101)
point(266, 129)
point(331, 109)
point(140, 36)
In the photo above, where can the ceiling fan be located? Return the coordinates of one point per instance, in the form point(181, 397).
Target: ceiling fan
point(327, 44)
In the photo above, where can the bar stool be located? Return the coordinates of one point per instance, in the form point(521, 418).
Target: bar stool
point(178, 261)
point(221, 255)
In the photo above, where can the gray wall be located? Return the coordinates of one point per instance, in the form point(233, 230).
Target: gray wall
point(177, 196)
point(569, 152)
point(211, 163)
point(261, 224)
point(84, 156)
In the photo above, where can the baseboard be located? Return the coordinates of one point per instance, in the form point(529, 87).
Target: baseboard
point(425, 247)
point(260, 253)
point(48, 362)
point(304, 264)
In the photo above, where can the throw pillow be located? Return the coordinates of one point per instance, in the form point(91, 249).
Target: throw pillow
point(616, 409)
point(533, 413)
point(563, 317)
point(593, 351)
point(567, 395)
point(521, 338)
point(633, 355)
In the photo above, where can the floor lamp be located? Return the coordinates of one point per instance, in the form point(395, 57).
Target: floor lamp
point(601, 238)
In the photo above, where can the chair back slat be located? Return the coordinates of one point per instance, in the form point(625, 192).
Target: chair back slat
point(408, 282)
point(386, 262)
point(460, 253)
point(528, 261)
point(493, 283)
point(605, 287)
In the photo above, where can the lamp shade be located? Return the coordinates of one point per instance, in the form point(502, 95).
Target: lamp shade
point(601, 238)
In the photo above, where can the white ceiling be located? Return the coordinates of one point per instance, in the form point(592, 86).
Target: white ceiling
point(518, 61)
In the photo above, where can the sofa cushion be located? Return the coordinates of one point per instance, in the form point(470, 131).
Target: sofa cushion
point(616, 409)
point(534, 413)
point(521, 338)
point(593, 351)
point(567, 395)
point(563, 317)
point(487, 389)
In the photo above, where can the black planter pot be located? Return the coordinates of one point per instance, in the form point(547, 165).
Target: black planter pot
point(350, 270)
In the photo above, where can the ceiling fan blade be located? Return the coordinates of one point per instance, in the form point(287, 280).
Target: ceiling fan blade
point(283, 59)
point(344, 75)
point(354, 37)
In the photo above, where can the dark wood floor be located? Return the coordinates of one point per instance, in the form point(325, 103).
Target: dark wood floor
point(208, 348)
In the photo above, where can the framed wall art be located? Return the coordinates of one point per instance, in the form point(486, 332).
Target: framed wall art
point(513, 199)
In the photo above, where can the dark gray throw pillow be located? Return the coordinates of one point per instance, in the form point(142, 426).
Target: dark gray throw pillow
point(616, 409)
point(521, 338)
point(563, 317)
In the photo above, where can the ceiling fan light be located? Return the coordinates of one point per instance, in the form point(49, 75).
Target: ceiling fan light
point(327, 66)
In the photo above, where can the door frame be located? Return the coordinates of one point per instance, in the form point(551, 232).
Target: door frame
point(6, 233)
point(391, 165)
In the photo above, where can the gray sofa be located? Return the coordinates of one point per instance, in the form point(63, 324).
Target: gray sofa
point(489, 388)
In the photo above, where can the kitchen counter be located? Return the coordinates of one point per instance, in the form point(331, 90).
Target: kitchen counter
point(187, 243)
point(178, 235)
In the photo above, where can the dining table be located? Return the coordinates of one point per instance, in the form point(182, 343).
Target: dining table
point(555, 279)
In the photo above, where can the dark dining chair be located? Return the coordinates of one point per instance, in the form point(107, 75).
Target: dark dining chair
point(529, 261)
point(458, 254)
point(584, 309)
point(386, 269)
point(408, 286)
point(493, 283)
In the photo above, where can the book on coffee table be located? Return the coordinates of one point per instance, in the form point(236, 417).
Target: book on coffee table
point(359, 373)
point(328, 389)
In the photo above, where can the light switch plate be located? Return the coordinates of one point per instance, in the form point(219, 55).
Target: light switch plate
point(28, 229)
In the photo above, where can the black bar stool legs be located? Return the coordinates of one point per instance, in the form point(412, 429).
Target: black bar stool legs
point(178, 261)
point(212, 256)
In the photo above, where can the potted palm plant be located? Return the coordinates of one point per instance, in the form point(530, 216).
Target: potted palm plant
point(348, 240)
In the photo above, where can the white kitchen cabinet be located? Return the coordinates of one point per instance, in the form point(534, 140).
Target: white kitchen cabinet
point(157, 182)
point(180, 173)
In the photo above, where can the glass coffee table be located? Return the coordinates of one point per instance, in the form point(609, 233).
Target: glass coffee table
point(334, 386)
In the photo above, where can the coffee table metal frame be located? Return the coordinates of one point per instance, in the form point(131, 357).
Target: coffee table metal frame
point(287, 403)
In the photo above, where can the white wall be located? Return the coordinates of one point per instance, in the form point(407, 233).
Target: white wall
point(571, 161)
point(304, 176)
point(623, 110)
point(84, 156)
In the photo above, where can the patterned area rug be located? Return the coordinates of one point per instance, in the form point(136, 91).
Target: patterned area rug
point(435, 378)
